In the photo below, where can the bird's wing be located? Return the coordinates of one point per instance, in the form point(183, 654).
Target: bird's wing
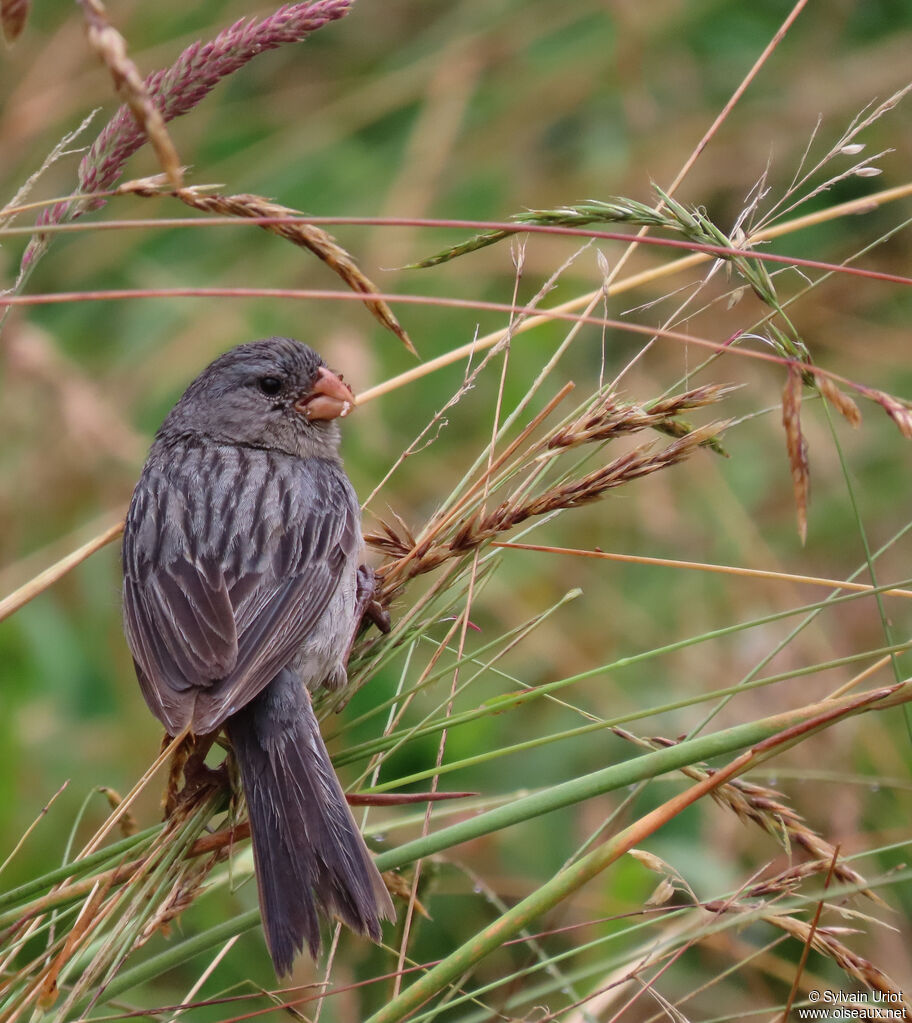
point(223, 584)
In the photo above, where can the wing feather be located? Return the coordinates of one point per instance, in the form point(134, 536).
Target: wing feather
point(216, 605)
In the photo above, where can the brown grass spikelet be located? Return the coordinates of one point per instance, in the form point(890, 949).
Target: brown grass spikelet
point(183, 894)
point(825, 940)
point(13, 17)
point(177, 89)
point(476, 527)
point(154, 184)
point(897, 410)
point(796, 445)
point(128, 825)
point(766, 807)
point(787, 881)
point(308, 236)
point(389, 542)
point(611, 417)
point(840, 401)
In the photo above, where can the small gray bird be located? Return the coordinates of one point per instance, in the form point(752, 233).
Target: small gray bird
point(242, 593)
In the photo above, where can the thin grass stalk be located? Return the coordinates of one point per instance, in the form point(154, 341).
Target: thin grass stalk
point(84, 865)
point(514, 700)
point(437, 604)
point(887, 590)
point(832, 600)
point(154, 874)
point(626, 967)
point(140, 902)
point(500, 644)
point(405, 735)
point(468, 717)
point(572, 878)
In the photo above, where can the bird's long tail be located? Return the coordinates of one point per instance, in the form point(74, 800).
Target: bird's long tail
point(307, 849)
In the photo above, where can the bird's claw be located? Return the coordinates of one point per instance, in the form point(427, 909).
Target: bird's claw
point(189, 764)
point(371, 610)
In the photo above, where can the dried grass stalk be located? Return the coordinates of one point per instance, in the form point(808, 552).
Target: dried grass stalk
point(111, 47)
point(796, 445)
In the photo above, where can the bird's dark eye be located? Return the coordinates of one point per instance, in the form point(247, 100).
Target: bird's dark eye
point(269, 385)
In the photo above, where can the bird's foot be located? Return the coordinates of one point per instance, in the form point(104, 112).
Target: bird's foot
point(371, 611)
point(189, 765)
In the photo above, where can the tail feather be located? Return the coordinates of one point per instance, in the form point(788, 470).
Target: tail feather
point(307, 849)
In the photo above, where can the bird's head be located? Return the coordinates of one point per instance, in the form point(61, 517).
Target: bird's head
point(276, 394)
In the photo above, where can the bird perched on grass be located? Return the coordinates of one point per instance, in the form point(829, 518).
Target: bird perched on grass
point(242, 593)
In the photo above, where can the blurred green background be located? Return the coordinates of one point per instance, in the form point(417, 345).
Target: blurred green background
point(476, 109)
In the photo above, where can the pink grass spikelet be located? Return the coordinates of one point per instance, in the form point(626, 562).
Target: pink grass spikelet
point(179, 88)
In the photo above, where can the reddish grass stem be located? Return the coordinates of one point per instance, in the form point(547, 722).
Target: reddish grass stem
point(493, 225)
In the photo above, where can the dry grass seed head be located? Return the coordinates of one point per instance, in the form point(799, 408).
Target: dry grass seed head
point(308, 236)
point(825, 940)
point(766, 807)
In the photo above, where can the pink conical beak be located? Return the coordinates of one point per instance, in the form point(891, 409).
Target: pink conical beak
point(329, 398)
